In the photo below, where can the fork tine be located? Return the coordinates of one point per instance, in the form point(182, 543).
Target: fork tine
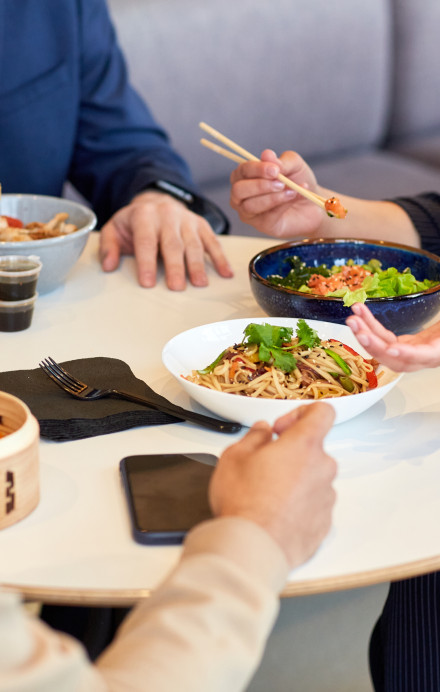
point(70, 379)
point(58, 368)
point(54, 378)
point(58, 373)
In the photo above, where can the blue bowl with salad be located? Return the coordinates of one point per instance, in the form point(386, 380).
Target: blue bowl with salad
point(320, 279)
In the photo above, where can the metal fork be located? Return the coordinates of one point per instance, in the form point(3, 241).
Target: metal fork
point(80, 390)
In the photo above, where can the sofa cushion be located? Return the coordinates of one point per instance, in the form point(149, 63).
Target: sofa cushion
point(425, 148)
point(416, 92)
point(281, 74)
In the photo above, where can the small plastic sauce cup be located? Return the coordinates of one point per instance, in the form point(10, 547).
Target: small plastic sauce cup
point(16, 315)
point(18, 277)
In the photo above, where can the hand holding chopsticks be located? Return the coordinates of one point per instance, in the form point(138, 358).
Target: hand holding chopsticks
point(332, 206)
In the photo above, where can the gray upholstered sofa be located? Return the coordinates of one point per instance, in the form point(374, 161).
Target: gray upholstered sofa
point(352, 85)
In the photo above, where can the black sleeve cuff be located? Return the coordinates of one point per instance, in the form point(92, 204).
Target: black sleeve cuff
point(424, 212)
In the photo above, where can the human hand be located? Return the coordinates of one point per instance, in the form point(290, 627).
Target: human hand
point(404, 353)
point(156, 223)
point(264, 202)
point(283, 484)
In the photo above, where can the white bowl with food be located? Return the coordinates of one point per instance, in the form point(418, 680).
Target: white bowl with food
point(240, 386)
point(54, 229)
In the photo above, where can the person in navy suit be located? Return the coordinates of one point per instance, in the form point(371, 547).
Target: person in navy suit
point(68, 113)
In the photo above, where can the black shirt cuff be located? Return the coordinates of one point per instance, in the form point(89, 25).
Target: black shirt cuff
point(424, 212)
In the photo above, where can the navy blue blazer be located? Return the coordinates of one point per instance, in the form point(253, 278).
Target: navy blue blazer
point(67, 111)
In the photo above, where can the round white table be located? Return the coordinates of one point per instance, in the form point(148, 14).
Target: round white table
point(76, 547)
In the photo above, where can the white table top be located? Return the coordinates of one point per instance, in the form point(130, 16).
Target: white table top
point(76, 547)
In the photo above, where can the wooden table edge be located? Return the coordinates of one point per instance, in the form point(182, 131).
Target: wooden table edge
point(361, 579)
point(128, 597)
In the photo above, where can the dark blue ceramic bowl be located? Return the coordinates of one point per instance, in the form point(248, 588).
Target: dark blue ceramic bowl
point(401, 314)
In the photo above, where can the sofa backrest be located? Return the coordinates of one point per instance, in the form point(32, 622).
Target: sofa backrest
point(286, 74)
point(416, 84)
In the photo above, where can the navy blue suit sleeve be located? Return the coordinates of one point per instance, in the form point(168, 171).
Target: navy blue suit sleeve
point(120, 149)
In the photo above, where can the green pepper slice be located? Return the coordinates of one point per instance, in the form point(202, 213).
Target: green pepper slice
point(347, 383)
point(339, 361)
point(210, 368)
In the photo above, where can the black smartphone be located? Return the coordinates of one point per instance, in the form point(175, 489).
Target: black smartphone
point(167, 494)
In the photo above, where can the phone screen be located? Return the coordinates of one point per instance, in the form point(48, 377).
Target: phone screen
point(167, 494)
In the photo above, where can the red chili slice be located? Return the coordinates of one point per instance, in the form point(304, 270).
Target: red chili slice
point(372, 379)
point(14, 223)
point(347, 348)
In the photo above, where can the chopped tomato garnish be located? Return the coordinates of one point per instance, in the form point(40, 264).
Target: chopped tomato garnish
point(13, 222)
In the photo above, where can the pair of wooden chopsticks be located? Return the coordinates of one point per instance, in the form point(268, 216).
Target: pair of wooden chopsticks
point(243, 155)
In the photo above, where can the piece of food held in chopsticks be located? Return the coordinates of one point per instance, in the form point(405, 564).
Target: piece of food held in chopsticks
point(272, 363)
point(332, 205)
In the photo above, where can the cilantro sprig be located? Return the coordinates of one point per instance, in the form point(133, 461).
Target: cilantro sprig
point(271, 340)
point(307, 336)
point(273, 344)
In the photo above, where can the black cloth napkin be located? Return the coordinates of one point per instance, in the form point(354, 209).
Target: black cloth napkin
point(62, 417)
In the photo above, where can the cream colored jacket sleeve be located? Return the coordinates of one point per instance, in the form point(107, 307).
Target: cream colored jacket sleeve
point(204, 628)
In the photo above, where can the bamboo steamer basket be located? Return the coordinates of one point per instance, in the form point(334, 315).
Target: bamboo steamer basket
point(19, 465)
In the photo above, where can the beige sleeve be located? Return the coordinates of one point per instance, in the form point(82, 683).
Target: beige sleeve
point(204, 629)
point(34, 658)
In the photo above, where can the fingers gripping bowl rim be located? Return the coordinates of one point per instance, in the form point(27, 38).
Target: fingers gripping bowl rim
point(195, 348)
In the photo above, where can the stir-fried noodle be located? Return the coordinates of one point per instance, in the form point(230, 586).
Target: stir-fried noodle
point(317, 374)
